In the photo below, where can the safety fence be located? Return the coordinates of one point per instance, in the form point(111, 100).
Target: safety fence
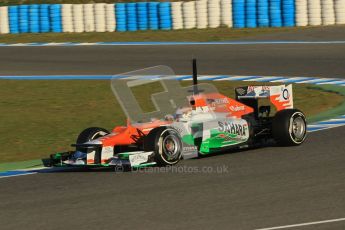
point(200, 14)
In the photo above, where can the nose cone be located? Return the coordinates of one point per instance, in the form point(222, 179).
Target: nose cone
point(125, 137)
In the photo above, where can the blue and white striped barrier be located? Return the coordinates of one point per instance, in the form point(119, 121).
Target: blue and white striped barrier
point(276, 79)
point(331, 123)
point(101, 17)
point(31, 171)
point(16, 173)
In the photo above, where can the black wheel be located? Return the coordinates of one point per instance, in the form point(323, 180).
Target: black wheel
point(289, 127)
point(90, 134)
point(166, 144)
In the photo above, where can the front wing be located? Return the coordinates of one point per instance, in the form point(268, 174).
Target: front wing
point(134, 159)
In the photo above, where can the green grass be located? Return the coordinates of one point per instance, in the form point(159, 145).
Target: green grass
point(42, 117)
point(204, 35)
point(334, 112)
point(143, 94)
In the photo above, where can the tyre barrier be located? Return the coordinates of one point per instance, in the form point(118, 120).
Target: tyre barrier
point(13, 18)
point(339, 8)
point(238, 12)
point(131, 14)
point(275, 13)
point(200, 14)
point(226, 13)
point(4, 23)
point(110, 22)
point(143, 17)
point(164, 9)
point(24, 18)
point(78, 18)
point(67, 18)
point(56, 18)
point(327, 12)
point(213, 13)
point(176, 15)
point(301, 12)
point(100, 23)
point(189, 15)
point(121, 17)
point(263, 15)
point(251, 14)
point(288, 13)
point(89, 17)
point(44, 18)
point(153, 15)
point(34, 19)
point(314, 12)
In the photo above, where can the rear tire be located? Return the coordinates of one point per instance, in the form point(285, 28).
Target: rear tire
point(289, 127)
point(166, 144)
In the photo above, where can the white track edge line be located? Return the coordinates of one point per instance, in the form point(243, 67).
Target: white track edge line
point(303, 224)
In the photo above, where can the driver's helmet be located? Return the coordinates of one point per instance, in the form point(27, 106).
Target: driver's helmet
point(183, 112)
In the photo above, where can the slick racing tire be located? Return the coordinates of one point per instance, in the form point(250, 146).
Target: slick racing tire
point(289, 127)
point(166, 144)
point(90, 134)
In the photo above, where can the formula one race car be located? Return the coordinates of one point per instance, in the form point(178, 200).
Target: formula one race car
point(210, 123)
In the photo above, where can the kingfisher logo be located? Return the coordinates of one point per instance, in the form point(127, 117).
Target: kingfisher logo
point(237, 108)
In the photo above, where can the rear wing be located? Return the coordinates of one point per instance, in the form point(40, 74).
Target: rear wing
point(280, 96)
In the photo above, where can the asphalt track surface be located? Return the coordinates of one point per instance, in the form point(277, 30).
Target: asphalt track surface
point(261, 188)
point(314, 60)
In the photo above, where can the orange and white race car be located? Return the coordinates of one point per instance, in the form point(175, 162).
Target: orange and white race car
point(210, 123)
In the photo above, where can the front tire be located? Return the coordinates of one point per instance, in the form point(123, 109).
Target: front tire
point(90, 134)
point(166, 144)
point(289, 127)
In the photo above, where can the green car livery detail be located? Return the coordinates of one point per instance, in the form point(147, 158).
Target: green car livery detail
point(218, 139)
